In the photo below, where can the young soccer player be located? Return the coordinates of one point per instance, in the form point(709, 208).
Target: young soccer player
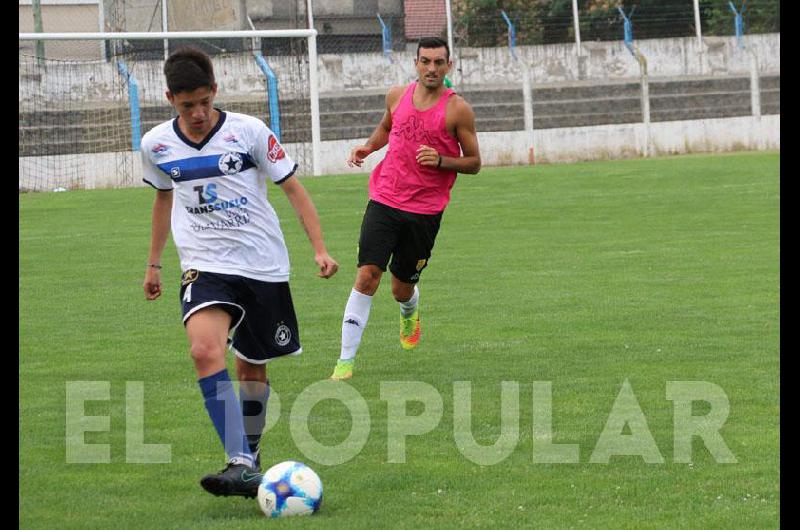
point(431, 135)
point(209, 168)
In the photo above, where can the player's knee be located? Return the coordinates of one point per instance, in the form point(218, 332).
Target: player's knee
point(368, 280)
point(205, 353)
point(367, 286)
point(402, 293)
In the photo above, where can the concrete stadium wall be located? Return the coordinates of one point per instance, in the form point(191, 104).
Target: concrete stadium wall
point(478, 66)
point(612, 60)
point(557, 63)
point(601, 142)
point(573, 144)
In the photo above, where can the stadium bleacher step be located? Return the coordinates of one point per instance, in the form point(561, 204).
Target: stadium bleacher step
point(354, 115)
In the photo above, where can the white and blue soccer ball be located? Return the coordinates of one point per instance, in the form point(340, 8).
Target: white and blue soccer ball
point(289, 488)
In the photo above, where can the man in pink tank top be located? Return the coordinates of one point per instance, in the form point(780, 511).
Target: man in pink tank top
point(431, 135)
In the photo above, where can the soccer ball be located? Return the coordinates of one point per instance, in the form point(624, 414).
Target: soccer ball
point(289, 488)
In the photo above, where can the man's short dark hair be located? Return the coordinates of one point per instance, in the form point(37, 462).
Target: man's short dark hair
point(433, 42)
point(188, 69)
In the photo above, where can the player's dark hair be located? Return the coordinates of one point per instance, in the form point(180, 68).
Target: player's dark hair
point(433, 42)
point(188, 69)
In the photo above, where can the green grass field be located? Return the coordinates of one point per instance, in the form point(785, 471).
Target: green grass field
point(583, 275)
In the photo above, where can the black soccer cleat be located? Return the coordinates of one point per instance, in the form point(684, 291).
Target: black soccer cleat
point(235, 479)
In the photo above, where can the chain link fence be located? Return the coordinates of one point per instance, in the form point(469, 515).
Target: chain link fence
point(653, 70)
point(365, 46)
point(383, 26)
point(393, 26)
point(478, 23)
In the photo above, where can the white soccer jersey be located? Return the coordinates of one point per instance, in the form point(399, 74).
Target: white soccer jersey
point(221, 219)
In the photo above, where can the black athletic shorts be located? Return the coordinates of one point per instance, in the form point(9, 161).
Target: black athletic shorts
point(263, 325)
point(404, 236)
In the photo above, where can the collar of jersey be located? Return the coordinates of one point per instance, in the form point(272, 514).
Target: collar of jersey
point(208, 137)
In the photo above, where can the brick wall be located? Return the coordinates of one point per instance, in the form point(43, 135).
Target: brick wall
point(425, 18)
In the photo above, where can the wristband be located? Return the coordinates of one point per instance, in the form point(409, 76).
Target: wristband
point(154, 266)
point(439, 164)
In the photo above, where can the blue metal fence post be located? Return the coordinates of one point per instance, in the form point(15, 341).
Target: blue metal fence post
point(133, 101)
point(738, 22)
point(628, 28)
point(272, 95)
point(386, 33)
point(512, 35)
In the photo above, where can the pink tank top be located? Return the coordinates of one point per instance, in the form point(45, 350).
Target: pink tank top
point(398, 180)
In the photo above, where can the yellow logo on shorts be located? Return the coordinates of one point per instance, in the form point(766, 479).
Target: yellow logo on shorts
point(189, 276)
point(421, 263)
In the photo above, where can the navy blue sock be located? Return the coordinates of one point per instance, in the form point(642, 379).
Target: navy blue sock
point(223, 409)
point(253, 396)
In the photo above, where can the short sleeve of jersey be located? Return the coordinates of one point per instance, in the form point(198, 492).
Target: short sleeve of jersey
point(151, 173)
point(271, 157)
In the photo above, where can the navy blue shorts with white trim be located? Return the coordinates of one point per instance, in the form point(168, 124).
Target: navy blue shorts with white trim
point(263, 321)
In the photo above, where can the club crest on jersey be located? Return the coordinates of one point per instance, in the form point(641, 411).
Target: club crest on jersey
point(160, 149)
point(421, 263)
point(275, 152)
point(230, 163)
point(283, 335)
point(175, 172)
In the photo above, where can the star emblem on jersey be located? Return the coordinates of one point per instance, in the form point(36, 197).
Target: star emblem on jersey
point(283, 335)
point(230, 163)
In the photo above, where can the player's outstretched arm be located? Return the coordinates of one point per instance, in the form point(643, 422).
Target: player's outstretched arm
point(309, 220)
point(380, 136)
point(162, 209)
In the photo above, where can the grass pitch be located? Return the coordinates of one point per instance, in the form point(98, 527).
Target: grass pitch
point(581, 275)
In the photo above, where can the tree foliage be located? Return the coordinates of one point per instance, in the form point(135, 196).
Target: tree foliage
point(479, 23)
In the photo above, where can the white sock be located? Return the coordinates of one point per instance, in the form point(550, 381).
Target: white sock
point(356, 314)
point(407, 308)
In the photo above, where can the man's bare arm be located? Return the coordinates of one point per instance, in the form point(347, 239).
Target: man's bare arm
point(380, 136)
point(309, 220)
point(470, 159)
point(162, 211)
